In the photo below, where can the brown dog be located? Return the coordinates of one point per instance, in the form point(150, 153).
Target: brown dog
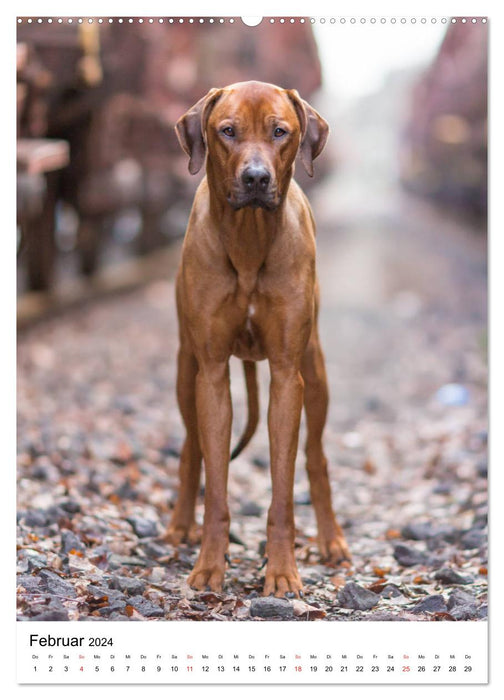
point(247, 287)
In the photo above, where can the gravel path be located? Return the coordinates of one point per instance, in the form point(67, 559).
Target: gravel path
point(403, 327)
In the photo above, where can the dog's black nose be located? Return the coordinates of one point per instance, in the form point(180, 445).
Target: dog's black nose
point(256, 177)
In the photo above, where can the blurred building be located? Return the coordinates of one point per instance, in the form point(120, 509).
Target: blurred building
point(444, 150)
point(112, 92)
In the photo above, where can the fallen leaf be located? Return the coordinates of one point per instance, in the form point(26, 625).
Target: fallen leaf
point(441, 616)
point(377, 586)
point(301, 608)
point(369, 466)
point(392, 534)
point(210, 598)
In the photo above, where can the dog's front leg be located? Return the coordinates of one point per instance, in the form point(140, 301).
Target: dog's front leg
point(213, 403)
point(286, 400)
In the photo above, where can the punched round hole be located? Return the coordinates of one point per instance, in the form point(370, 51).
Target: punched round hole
point(252, 21)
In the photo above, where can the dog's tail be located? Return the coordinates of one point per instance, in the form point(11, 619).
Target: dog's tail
point(249, 369)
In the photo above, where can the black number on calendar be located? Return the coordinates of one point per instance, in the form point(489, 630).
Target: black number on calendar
point(390, 669)
point(65, 669)
point(96, 668)
point(158, 668)
point(282, 668)
point(50, 669)
point(267, 669)
point(467, 669)
point(112, 668)
point(101, 642)
point(421, 669)
point(205, 669)
point(220, 669)
point(328, 669)
point(436, 669)
point(343, 669)
point(251, 669)
point(236, 668)
point(142, 669)
point(375, 669)
point(452, 669)
point(174, 668)
point(127, 668)
point(314, 668)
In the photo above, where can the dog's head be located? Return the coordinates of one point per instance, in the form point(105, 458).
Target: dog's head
point(251, 133)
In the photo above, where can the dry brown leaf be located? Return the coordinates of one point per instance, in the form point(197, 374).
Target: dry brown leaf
point(377, 586)
point(369, 466)
point(392, 534)
point(442, 616)
point(302, 609)
point(210, 598)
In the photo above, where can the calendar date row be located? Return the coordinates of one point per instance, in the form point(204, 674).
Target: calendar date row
point(266, 669)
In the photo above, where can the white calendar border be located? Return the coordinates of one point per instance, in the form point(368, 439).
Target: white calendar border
point(7, 364)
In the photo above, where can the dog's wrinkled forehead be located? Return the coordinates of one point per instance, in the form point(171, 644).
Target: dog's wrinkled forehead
point(252, 104)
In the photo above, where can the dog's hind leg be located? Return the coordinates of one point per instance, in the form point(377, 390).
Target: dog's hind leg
point(332, 543)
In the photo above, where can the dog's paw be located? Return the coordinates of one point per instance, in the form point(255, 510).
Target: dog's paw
point(195, 533)
point(334, 551)
point(176, 534)
point(281, 583)
point(207, 577)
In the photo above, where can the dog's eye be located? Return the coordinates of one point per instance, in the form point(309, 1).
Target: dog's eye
point(228, 131)
point(279, 132)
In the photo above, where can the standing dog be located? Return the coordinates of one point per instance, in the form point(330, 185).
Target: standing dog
point(247, 287)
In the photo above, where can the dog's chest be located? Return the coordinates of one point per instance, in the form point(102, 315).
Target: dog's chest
point(247, 343)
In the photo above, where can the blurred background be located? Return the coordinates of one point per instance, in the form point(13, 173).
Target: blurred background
point(102, 179)
point(400, 201)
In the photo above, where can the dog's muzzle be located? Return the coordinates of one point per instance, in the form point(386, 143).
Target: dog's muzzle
point(256, 179)
point(254, 189)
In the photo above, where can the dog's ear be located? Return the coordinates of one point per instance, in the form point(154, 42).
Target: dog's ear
point(191, 126)
point(314, 130)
